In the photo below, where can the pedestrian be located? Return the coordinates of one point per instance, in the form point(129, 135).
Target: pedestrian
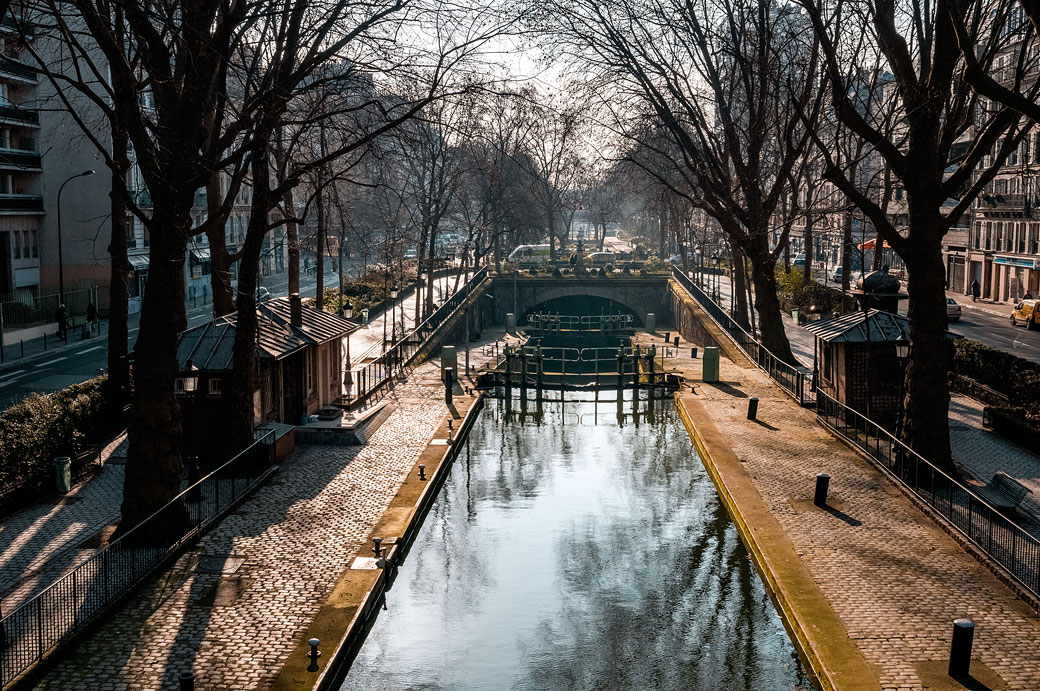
point(62, 317)
point(92, 318)
point(976, 289)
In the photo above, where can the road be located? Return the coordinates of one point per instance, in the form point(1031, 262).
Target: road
point(978, 324)
point(83, 359)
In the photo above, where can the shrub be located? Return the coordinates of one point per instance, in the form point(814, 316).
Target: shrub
point(1016, 378)
point(533, 271)
point(609, 268)
point(627, 270)
point(1014, 425)
point(654, 265)
point(796, 295)
point(556, 272)
point(44, 426)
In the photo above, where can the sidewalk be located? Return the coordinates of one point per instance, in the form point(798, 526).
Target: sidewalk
point(894, 580)
point(997, 309)
point(281, 552)
point(41, 542)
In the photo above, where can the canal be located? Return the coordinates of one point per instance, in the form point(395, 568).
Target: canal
point(577, 545)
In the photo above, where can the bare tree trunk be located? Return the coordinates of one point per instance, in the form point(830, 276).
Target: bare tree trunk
point(219, 261)
point(319, 261)
point(292, 235)
point(118, 331)
point(153, 469)
point(739, 292)
point(926, 427)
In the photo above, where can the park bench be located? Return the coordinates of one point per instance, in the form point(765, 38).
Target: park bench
point(1003, 491)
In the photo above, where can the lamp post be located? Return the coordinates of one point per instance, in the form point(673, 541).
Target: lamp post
point(61, 262)
point(715, 264)
point(393, 315)
point(190, 377)
point(902, 353)
point(347, 310)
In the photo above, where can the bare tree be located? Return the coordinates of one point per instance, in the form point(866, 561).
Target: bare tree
point(727, 81)
point(937, 138)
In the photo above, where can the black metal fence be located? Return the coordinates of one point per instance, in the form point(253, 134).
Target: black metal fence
point(52, 616)
point(370, 377)
point(794, 380)
point(991, 531)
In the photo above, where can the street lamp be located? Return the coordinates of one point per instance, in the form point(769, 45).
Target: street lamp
point(902, 353)
point(715, 264)
point(393, 314)
point(61, 262)
point(190, 379)
point(347, 310)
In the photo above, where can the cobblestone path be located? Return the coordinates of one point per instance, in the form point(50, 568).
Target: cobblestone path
point(234, 607)
point(893, 577)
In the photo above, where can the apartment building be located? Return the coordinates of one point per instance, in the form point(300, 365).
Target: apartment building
point(1003, 249)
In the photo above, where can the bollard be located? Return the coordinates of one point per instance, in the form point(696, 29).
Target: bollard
point(449, 377)
point(710, 365)
point(752, 408)
point(313, 655)
point(822, 482)
point(960, 647)
point(187, 681)
point(676, 342)
point(63, 474)
point(693, 352)
point(667, 336)
point(377, 546)
point(422, 472)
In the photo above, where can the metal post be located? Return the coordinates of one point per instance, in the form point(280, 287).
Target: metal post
point(449, 373)
point(187, 681)
point(752, 408)
point(960, 647)
point(822, 482)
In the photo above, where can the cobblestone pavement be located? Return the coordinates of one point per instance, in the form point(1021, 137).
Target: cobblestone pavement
point(980, 453)
point(42, 541)
point(282, 551)
point(893, 577)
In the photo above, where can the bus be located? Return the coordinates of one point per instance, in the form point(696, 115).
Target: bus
point(529, 255)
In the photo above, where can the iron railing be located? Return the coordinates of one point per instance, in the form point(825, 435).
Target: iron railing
point(1007, 543)
point(54, 615)
point(369, 377)
point(796, 381)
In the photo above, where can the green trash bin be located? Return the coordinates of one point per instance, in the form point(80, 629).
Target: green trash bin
point(63, 474)
point(710, 365)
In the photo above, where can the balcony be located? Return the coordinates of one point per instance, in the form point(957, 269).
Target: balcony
point(17, 159)
point(1004, 205)
point(19, 116)
point(20, 203)
point(11, 67)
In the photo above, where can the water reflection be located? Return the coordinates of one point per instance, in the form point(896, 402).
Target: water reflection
point(568, 551)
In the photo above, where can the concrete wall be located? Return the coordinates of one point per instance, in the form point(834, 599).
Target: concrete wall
point(694, 324)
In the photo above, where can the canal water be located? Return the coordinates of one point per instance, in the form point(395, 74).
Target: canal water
point(579, 546)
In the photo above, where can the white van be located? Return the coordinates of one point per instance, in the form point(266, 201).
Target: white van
point(529, 255)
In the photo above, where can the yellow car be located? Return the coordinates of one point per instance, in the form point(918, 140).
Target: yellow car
point(1025, 312)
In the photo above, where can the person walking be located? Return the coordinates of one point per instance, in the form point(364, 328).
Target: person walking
point(92, 318)
point(975, 290)
point(62, 317)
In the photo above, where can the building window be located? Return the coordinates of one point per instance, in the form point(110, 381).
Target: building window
point(35, 243)
point(216, 387)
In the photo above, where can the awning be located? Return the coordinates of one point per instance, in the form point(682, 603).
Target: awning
point(138, 261)
point(870, 244)
point(201, 254)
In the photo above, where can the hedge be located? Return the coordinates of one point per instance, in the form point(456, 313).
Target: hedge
point(1016, 378)
point(44, 426)
point(1012, 424)
point(794, 294)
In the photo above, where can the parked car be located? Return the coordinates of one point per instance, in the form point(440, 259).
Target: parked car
point(836, 276)
point(799, 261)
point(1025, 312)
point(600, 258)
point(411, 254)
point(953, 310)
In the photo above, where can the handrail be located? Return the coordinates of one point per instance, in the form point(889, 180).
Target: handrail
point(1007, 543)
point(53, 616)
point(790, 378)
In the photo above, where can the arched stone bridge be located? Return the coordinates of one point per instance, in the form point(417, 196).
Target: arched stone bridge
point(524, 294)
